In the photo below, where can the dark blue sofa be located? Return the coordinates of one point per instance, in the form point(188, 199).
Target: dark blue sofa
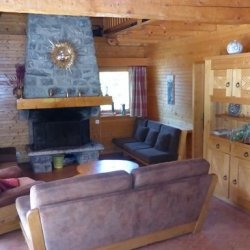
point(151, 142)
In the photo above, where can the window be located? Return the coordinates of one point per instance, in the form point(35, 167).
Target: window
point(115, 84)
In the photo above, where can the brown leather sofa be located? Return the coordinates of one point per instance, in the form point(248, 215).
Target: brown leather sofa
point(117, 210)
point(9, 219)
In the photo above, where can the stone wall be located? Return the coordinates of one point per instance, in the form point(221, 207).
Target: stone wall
point(42, 75)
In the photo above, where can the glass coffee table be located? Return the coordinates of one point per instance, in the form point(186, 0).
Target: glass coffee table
point(104, 166)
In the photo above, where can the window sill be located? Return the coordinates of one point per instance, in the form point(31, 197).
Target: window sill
point(109, 114)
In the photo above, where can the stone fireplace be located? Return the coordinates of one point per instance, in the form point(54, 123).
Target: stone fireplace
point(42, 76)
point(62, 130)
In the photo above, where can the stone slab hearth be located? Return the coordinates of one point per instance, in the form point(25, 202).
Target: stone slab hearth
point(41, 160)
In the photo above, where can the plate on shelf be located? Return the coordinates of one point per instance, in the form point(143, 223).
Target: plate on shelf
point(221, 132)
point(234, 109)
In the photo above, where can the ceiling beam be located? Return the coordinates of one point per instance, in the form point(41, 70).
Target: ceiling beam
point(212, 11)
point(176, 25)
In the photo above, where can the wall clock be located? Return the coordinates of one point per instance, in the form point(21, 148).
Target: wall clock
point(63, 54)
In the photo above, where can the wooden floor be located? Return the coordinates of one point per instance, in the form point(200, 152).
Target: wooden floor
point(65, 172)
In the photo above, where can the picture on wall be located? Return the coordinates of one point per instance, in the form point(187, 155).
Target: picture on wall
point(171, 89)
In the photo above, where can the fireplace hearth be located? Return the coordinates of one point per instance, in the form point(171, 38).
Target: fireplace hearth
point(60, 132)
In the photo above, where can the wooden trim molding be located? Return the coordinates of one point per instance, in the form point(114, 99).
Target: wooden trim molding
point(212, 11)
point(70, 102)
point(144, 240)
point(9, 220)
point(122, 62)
point(36, 230)
point(205, 207)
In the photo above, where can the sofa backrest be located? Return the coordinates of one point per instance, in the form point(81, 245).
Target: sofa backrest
point(139, 122)
point(169, 172)
point(154, 125)
point(79, 187)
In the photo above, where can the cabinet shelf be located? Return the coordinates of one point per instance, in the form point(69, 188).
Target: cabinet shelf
point(232, 99)
point(236, 118)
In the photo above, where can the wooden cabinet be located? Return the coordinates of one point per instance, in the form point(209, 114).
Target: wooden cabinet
point(219, 158)
point(227, 80)
point(231, 83)
point(239, 182)
point(104, 128)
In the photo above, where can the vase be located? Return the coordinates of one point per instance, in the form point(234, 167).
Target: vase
point(19, 92)
point(123, 110)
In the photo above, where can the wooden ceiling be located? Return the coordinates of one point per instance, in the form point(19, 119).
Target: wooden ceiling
point(145, 21)
point(144, 32)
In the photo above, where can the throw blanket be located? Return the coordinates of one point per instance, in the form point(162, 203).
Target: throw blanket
point(6, 184)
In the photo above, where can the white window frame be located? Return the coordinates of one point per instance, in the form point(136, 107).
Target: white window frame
point(117, 111)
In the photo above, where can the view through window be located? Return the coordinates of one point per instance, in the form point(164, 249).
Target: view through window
point(115, 84)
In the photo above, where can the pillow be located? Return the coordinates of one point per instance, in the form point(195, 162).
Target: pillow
point(141, 133)
point(151, 137)
point(163, 142)
point(9, 183)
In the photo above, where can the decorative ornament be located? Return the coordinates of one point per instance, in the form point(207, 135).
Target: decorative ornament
point(63, 54)
point(234, 109)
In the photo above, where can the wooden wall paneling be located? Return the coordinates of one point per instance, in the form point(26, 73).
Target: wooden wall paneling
point(105, 50)
point(177, 57)
point(198, 109)
point(104, 129)
point(13, 24)
point(13, 130)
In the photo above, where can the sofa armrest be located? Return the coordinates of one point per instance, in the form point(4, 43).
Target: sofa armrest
point(8, 197)
point(10, 172)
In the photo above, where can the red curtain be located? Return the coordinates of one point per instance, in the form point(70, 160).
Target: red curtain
point(138, 81)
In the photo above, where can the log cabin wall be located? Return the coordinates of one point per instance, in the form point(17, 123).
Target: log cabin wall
point(177, 57)
point(174, 57)
point(13, 127)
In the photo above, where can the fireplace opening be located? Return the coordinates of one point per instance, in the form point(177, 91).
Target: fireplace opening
point(59, 128)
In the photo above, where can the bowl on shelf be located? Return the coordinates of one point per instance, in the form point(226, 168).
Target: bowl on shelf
point(234, 47)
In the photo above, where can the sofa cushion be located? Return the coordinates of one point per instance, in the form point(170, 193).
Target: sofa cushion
point(175, 137)
point(121, 141)
point(141, 133)
point(152, 155)
point(151, 137)
point(169, 171)
point(131, 147)
point(79, 187)
point(163, 142)
point(8, 197)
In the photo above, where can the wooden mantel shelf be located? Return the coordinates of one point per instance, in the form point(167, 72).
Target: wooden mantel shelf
point(70, 102)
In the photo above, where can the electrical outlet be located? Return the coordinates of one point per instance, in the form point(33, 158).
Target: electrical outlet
point(97, 121)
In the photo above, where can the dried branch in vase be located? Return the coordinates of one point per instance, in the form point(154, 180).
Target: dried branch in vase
point(16, 81)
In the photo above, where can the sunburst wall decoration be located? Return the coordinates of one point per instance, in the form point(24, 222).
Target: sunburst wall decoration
point(63, 54)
